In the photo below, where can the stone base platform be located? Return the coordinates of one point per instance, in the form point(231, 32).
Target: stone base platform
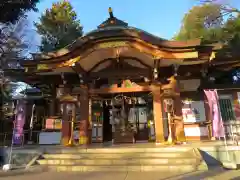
point(133, 157)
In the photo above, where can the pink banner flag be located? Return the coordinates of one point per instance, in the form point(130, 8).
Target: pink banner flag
point(215, 114)
point(18, 131)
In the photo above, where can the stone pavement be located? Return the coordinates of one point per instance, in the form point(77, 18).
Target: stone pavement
point(218, 174)
point(90, 176)
point(212, 174)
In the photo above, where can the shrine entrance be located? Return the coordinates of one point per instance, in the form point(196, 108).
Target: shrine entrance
point(107, 127)
point(123, 118)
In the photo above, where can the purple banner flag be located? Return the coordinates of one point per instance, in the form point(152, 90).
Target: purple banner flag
point(18, 131)
point(215, 114)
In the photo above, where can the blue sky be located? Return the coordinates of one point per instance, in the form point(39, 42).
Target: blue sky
point(159, 17)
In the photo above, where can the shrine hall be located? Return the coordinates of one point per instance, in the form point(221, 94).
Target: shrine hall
point(121, 84)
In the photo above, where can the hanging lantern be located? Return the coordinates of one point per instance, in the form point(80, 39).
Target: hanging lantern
point(187, 101)
point(69, 107)
point(141, 100)
point(61, 108)
point(168, 105)
point(130, 101)
point(155, 73)
point(78, 104)
point(60, 92)
point(176, 67)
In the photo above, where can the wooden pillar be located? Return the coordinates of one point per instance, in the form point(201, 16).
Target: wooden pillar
point(52, 103)
point(158, 116)
point(236, 104)
point(178, 106)
point(66, 121)
point(90, 120)
point(208, 116)
point(66, 126)
point(84, 117)
point(179, 129)
point(52, 107)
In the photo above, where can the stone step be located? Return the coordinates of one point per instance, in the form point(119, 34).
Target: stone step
point(162, 159)
point(132, 161)
point(73, 150)
point(117, 155)
point(115, 168)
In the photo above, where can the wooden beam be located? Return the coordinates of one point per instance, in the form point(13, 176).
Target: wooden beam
point(120, 73)
point(101, 62)
point(78, 69)
point(114, 90)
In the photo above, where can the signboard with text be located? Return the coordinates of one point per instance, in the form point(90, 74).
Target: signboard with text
point(53, 123)
point(193, 112)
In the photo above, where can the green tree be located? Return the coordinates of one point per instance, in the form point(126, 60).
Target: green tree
point(12, 10)
point(229, 33)
point(203, 22)
point(58, 27)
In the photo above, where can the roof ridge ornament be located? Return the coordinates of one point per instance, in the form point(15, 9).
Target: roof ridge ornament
point(110, 11)
point(112, 21)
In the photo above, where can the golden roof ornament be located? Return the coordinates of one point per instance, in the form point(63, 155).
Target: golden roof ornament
point(110, 12)
point(112, 21)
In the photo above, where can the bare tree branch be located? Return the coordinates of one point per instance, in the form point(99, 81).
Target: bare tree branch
point(225, 6)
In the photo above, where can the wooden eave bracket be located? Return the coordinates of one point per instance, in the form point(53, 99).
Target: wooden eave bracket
point(212, 56)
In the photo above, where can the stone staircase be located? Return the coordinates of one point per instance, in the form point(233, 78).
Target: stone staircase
point(176, 159)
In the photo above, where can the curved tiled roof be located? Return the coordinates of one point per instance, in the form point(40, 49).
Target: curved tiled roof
point(120, 32)
point(114, 28)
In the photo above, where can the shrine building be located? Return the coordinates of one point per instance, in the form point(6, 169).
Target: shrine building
point(121, 84)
